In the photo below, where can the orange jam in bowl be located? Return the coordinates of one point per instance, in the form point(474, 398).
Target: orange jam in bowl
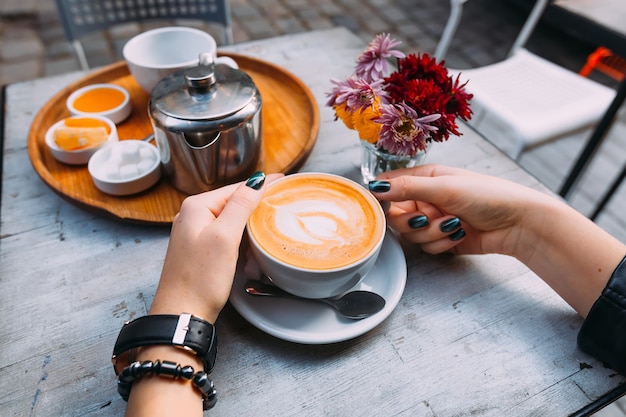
point(99, 99)
point(75, 139)
point(107, 100)
point(81, 133)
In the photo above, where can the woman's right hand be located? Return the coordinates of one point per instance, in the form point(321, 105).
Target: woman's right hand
point(454, 210)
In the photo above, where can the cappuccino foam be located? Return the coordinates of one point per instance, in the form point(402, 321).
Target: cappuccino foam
point(316, 222)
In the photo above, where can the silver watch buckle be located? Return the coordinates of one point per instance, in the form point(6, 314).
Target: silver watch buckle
point(182, 327)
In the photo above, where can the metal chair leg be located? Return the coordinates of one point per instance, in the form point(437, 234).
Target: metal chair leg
point(448, 32)
point(80, 55)
point(594, 142)
point(607, 196)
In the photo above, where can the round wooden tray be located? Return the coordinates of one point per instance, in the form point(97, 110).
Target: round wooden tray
point(290, 127)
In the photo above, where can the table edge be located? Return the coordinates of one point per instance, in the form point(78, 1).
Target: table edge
point(601, 402)
point(2, 127)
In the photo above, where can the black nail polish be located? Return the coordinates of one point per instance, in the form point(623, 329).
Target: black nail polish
point(418, 222)
point(256, 180)
point(458, 235)
point(450, 225)
point(379, 186)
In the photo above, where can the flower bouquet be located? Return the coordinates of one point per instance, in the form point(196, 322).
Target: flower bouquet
point(398, 114)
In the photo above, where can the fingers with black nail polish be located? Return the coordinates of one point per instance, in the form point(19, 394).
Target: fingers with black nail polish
point(418, 222)
point(256, 180)
point(379, 186)
point(450, 225)
point(458, 235)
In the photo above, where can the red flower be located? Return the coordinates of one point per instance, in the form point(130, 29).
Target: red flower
point(459, 101)
point(425, 86)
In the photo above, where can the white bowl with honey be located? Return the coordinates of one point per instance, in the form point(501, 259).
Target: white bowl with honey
point(75, 139)
point(106, 100)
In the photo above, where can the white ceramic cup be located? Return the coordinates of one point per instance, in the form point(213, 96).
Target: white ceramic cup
point(157, 53)
point(316, 235)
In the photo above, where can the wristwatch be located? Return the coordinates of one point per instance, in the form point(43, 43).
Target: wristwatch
point(185, 331)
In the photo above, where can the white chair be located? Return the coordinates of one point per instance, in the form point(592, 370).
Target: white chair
point(525, 97)
point(81, 17)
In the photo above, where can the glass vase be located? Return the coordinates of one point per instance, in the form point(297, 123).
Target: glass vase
point(375, 161)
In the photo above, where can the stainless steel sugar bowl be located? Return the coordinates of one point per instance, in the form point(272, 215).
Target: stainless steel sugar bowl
point(207, 125)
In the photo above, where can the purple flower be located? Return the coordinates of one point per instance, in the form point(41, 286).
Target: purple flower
point(403, 132)
point(355, 92)
point(372, 64)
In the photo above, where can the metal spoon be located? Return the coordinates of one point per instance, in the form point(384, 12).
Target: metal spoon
point(354, 305)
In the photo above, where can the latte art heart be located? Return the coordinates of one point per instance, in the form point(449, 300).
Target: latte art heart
point(316, 223)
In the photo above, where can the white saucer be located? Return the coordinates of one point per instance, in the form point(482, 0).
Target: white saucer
point(312, 322)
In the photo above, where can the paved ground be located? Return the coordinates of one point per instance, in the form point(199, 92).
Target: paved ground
point(32, 44)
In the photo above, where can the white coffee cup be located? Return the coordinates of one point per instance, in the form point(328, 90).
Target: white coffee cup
point(316, 235)
point(157, 53)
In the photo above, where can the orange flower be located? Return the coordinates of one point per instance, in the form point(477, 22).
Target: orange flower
point(368, 129)
point(342, 112)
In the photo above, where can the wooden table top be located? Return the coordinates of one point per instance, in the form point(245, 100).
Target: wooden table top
point(471, 335)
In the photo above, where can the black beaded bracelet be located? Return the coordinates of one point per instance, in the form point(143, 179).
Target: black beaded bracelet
point(169, 369)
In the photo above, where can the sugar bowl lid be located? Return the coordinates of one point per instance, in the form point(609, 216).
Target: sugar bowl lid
point(205, 92)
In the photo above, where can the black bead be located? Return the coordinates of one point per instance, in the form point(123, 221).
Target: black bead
point(146, 367)
point(135, 369)
point(169, 368)
point(156, 368)
point(126, 376)
point(203, 382)
point(124, 389)
point(209, 402)
point(187, 372)
point(209, 399)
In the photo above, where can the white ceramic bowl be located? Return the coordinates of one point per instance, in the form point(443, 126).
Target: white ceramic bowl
point(157, 53)
point(80, 156)
point(125, 167)
point(117, 111)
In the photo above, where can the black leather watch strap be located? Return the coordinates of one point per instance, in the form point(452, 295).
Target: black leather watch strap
point(185, 331)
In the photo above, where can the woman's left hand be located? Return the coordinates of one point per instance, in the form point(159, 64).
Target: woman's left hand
point(204, 244)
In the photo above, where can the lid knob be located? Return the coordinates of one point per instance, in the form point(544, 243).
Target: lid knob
point(202, 76)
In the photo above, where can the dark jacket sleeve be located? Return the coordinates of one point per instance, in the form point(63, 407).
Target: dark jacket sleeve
point(603, 334)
